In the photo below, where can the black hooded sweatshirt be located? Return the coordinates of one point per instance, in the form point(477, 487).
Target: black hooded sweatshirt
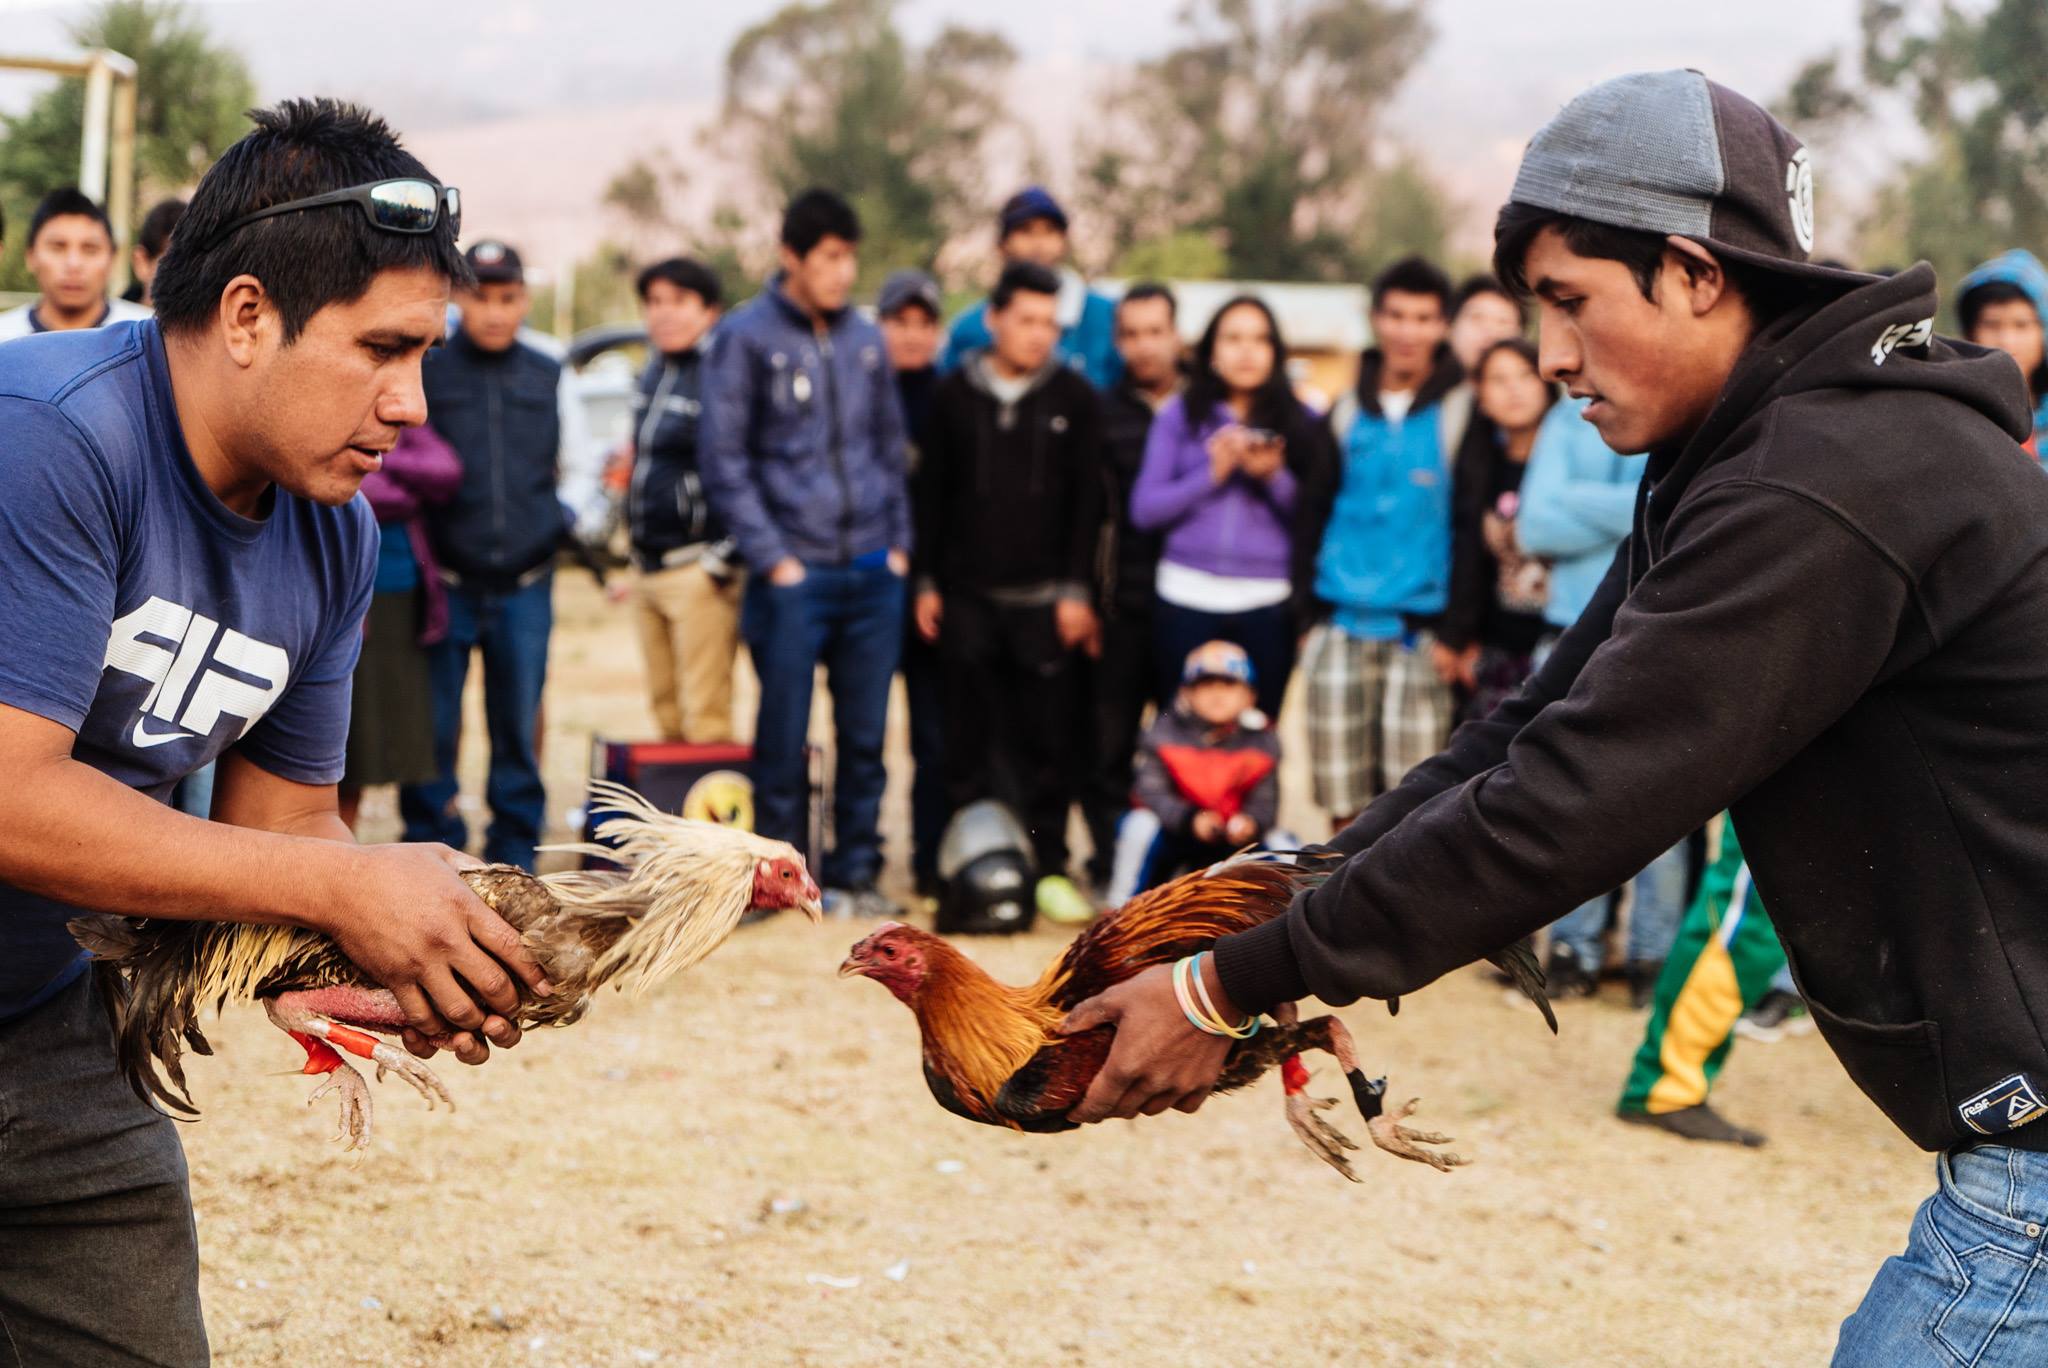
point(1831, 618)
point(1009, 495)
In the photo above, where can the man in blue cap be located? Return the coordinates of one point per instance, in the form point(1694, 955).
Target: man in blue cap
point(1032, 227)
point(1830, 618)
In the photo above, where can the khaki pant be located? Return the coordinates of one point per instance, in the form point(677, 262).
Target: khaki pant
point(689, 636)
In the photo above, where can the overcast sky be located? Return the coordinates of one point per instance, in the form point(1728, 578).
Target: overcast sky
point(1496, 70)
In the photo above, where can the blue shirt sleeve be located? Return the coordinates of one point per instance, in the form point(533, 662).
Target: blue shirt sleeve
point(304, 736)
point(60, 555)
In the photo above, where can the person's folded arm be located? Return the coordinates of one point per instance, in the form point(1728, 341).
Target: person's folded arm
point(1765, 621)
point(1163, 495)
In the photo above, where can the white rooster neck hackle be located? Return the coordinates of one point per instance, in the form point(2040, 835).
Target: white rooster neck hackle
point(685, 887)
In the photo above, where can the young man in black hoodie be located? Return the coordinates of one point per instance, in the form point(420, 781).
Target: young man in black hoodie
point(1832, 617)
point(1009, 502)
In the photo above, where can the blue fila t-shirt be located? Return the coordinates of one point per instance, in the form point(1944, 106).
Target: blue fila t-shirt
point(142, 614)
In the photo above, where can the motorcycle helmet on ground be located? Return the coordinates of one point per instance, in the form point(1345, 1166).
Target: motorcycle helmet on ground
point(986, 873)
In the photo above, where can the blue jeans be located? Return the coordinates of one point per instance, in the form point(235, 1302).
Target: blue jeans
point(1971, 1287)
point(511, 629)
point(1653, 918)
point(850, 618)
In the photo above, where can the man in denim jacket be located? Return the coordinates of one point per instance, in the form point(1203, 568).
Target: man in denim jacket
point(802, 455)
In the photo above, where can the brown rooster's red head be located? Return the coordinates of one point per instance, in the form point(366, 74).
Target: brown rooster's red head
point(895, 956)
point(781, 882)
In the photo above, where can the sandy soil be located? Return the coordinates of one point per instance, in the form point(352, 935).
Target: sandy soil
point(745, 1168)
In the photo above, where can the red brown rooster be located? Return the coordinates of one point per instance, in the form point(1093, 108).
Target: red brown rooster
point(993, 1053)
point(681, 889)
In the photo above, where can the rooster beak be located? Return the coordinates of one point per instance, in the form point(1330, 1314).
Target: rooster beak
point(852, 966)
point(814, 909)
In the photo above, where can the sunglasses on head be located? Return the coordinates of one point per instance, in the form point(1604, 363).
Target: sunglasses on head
point(406, 205)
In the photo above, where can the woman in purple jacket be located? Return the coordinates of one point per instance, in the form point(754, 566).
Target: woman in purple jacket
point(1223, 465)
point(391, 713)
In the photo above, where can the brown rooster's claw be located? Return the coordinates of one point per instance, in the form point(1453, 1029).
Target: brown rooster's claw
point(1390, 1135)
point(1324, 1140)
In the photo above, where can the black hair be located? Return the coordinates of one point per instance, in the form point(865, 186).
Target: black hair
point(66, 201)
point(1768, 294)
point(1413, 275)
point(1484, 283)
point(307, 260)
point(1273, 403)
point(1974, 301)
point(1151, 289)
point(815, 215)
point(1979, 297)
point(1026, 276)
point(158, 225)
point(1524, 348)
point(685, 273)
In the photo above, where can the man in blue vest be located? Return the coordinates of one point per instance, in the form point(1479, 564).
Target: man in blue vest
point(1032, 227)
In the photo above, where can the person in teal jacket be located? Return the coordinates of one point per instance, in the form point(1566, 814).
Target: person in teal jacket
point(2004, 304)
point(1032, 227)
point(1578, 499)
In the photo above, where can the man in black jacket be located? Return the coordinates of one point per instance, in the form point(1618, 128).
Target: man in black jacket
point(1009, 504)
point(496, 401)
point(1832, 617)
point(687, 595)
point(1121, 679)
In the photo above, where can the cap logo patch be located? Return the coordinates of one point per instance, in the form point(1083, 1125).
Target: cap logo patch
point(1799, 190)
point(1901, 335)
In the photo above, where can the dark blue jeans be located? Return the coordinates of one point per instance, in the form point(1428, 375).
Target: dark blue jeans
point(511, 629)
point(850, 619)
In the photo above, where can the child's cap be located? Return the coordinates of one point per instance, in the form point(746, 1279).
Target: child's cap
point(1217, 660)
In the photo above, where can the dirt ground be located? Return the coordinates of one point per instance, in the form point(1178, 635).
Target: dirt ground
point(745, 1168)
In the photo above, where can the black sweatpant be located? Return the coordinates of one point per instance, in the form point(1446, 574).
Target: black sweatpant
point(99, 1261)
point(1117, 686)
point(1010, 713)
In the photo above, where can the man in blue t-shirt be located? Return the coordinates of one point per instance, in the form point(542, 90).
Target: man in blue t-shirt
point(184, 568)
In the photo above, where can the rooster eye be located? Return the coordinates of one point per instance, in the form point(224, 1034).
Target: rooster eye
point(788, 874)
point(889, 951)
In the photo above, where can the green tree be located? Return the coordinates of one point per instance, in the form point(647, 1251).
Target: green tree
point(190, 103)
point(1183, 255)
point(1260, 128)
point(1407, 213)
point(828, 92)
point(1977, 83)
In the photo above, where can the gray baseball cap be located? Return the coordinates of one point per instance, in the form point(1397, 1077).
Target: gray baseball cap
point(1673, 152)
point(905, 288)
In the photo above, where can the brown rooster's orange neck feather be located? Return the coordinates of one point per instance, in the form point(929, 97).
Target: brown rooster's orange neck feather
point(979, 1031)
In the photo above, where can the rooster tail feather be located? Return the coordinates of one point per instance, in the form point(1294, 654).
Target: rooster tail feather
point(151, 997)
point(1518, 962)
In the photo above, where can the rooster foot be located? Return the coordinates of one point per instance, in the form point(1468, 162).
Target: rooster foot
point(1324, 1140)
point(322, 1036)
point(357, 1112)
point(1390, 1135)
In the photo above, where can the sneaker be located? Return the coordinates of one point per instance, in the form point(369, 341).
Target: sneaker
point(1699, 1122)
point(1642, 982)
point(1062, 904)
point(1776, 1015)
point(865, 903)
point(1563, 978)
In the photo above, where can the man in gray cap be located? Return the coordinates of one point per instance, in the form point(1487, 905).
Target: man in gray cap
point(1831, 617)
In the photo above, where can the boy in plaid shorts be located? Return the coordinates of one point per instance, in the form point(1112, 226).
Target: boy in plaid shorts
point(1377, 703)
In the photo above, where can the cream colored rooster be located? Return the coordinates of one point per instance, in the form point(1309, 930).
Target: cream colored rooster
point(682, 888)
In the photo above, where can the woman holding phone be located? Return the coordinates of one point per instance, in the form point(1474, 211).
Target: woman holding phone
point(1223, 466)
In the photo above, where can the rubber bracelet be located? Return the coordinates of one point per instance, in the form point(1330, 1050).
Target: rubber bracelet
point(1244, 1032)
point(1204, 1019)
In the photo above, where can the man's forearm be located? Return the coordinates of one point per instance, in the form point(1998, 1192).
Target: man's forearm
point(71, 833)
